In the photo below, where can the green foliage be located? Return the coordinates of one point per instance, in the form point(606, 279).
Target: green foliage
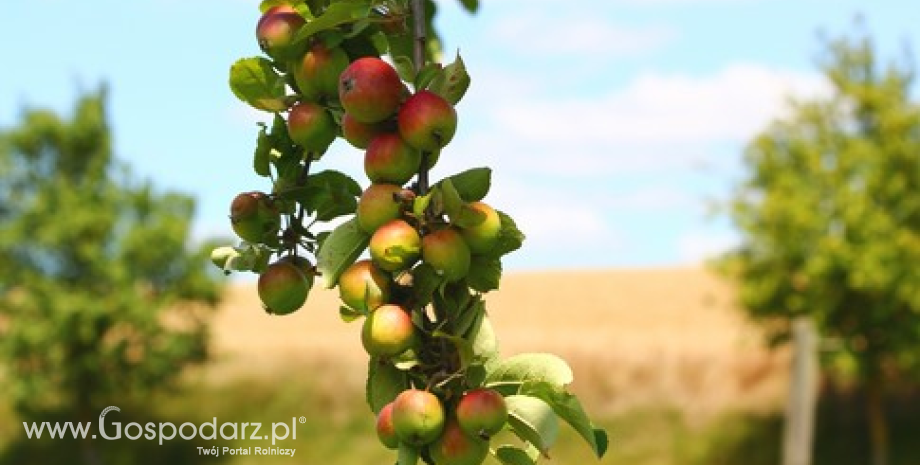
point(100, 295)
point(830, 214)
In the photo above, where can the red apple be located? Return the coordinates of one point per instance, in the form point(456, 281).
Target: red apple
point(378, 205)
point(276, 29)
point(370, 90)
point(364, 286)
point(385, 431)
point(455, 447)
point(283, 288)
point(395, 246)
point(387, 331)
point(390, 160)
point(418, 417)
point(311, 126)
point(360, 134)
point(427, 121)
point(447, 252)
point(482, 412)
point(484, 236)
point(317, 74)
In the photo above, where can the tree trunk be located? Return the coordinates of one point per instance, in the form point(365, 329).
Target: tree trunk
point(878, 425)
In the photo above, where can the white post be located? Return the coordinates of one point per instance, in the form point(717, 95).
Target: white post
point(803, 394)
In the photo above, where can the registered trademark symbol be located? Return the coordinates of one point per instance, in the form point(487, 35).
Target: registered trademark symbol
point(303, 419)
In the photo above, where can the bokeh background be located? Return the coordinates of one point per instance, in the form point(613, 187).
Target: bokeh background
point(615, 128)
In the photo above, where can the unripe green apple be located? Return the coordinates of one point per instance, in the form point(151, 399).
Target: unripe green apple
point(276, 29)
point(447, 252)
point(418, 417)
point(360, 134)
point(455, 447)
point(389, 159)
point(370, 90)
point(378, 205)
point(385, 431)
point(364, 286)
point(395, 246)
point(311, 126)
point(427, 121)
point(255, 218)
point(388, 331)
point(283, 288)
point(482, 412)
point(484, 236)
point(317, 73)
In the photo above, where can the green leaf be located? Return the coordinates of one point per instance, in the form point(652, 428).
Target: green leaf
point(349, 314)
point(468, 217)
point(426, 75)
point(336, 178)
point(452, 82)
point(485, 273)
point(384, 383)
point(255, 81)
point(600, 438)
point(533, 420)
point(340, 250)
point(531, 368)
point(425, 281)
point(511, 455)
point(451, 198)
point(420, 204)
point(510, 238)
point(336, 14)
point(470, 5)
point(472, 184)
point(404, 67)
point(261, 158)
point(569, 408)
point(469, 316)
point(485, 342)
point(407, 455)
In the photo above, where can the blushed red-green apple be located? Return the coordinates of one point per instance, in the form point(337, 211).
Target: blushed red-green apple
point(447, 252)
point(311, 126)
point(317, 73)
point(389, 159)
point(418, 417)
point(364, 286)
point(378, 204)
point(482, 412)
point(388, 331)
point(283, 288)
point(370, 90)
point(395, 246)
point(455, 447)
point(255, 218)
point(385, 431)
point(427, 121)
point(484, 236)
point(360, 134)
point(276, 29)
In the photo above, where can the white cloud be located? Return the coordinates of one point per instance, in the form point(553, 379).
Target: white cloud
point(729, 105)
point(594, 36)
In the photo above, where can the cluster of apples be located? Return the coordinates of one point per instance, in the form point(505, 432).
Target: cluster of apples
point(402, 134)
point(417, 418)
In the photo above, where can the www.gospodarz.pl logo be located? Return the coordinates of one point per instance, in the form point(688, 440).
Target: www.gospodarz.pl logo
point(162, 431)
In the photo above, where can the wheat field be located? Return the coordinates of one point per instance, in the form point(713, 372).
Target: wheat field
point(635, 338)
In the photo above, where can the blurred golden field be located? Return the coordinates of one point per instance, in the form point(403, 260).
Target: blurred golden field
point(634, 337)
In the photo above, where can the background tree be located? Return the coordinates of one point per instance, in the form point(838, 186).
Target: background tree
point(100, 297)
point(830, 219)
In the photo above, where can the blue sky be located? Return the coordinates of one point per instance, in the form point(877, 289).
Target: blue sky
point(610, 124)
